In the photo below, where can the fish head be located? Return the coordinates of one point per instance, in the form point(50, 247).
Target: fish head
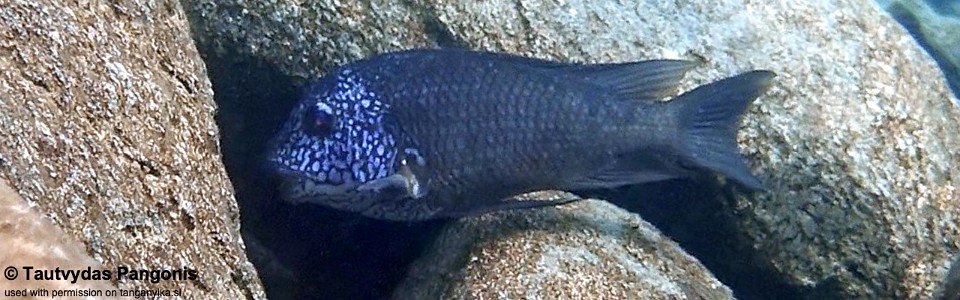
point(338, 149)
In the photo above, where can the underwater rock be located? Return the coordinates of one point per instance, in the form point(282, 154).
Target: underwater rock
point(27, 238)
point(857, 140)
point(308, 37)
point(590, 249)
point(108, 129)
point(937, 32)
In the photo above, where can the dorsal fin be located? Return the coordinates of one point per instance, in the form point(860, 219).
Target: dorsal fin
point(642, 80)
point(639, 80)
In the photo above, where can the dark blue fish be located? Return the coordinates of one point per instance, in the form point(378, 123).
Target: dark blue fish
point(423, 134)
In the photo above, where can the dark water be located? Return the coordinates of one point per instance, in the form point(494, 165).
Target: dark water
point(692, 213)
point(945, 7)
point(912, 25)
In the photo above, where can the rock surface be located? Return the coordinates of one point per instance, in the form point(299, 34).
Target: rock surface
point(307, 37)
point(27, 238)
point(591, 249)
point(108, 129)
point(857, 140)
point(859, 144)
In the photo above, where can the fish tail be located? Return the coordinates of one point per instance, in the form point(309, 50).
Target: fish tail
point(708, 121)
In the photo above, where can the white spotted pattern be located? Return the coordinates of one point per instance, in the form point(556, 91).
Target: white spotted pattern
point(358, 150)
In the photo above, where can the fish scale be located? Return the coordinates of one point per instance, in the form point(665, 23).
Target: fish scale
point(517, 124)
point(423, 134)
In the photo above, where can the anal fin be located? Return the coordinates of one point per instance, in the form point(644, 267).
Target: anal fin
point(512, 204)
point(634, 168)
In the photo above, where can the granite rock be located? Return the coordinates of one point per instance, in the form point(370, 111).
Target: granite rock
point(590, 249)
point(108, 130)
point(304, 38)
point(27, 238)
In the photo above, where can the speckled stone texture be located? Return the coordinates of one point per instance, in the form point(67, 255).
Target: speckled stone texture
point(591, 249)
point(307, 37)
point(857, 140)
point(108, 129)
point(27, 238)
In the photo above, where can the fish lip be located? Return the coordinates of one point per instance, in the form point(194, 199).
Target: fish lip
point(269, 157)
point(278, 169)
point(274, 166)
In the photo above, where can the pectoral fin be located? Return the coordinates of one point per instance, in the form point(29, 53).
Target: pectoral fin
point(403, 181)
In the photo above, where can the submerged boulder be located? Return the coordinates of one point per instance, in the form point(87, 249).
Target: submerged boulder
point(590, 249)
point(27, 238)
point(108, 130)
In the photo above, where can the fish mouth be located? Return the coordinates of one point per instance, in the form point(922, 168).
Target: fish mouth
point(272, 160)
point(277, 167)
point(407, 185)
point(287, 171)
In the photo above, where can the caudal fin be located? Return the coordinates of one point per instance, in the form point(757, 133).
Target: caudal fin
point(709, 119)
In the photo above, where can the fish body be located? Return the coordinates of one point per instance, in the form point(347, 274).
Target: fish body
point(423, 134)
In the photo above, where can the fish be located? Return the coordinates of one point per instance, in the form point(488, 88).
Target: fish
point(424, 134)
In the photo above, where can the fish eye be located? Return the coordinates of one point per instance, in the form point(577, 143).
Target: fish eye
point(319, 120)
